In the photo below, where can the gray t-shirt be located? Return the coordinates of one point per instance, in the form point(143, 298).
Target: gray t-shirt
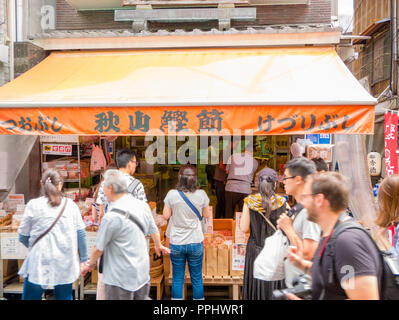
point(241, 168)
point(126, 258)
point(184, 225)
point(306, 230)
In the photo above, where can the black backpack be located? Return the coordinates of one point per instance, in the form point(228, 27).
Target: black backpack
point(389, 286)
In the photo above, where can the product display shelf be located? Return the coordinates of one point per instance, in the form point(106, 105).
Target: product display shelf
point(78, 180)
point(234, 284)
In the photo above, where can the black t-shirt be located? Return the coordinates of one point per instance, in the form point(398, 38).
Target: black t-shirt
point(355, 255)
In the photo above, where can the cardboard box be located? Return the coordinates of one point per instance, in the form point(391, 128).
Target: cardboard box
point(94, 276)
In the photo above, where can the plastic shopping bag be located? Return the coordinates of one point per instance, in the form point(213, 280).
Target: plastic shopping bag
point(269, 264)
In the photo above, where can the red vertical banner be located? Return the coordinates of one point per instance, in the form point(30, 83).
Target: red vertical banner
point(391, 143)
point(391, 146)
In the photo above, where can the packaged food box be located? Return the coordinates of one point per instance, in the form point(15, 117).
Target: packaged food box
point(73, 174)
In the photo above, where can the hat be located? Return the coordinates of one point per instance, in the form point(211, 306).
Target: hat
point(268, 173)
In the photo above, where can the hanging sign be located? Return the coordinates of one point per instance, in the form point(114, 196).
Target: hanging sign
point(391, 143)
point(319, 138)
point(188, 120)
point(57, 149)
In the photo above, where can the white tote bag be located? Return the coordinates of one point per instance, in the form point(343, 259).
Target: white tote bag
point(269, 264)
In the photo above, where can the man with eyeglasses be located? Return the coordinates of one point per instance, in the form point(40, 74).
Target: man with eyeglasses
point(349, 269)
point(127, 162)
point(301, 232)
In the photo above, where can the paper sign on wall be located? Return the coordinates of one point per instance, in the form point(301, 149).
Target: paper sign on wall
point(238, 256)
point(11, 248)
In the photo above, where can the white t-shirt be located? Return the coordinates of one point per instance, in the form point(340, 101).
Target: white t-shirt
point(306, 230)
point(54, 259)
point(184, 226)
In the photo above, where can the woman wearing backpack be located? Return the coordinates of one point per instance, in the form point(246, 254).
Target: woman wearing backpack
point(182, 206)
point(388, 202)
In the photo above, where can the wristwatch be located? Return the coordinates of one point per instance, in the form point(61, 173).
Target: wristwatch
point(88, 264)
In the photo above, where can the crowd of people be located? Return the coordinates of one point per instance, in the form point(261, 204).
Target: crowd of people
point(53, 230)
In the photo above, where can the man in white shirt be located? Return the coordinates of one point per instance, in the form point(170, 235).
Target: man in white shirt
point(126, 262)
point(301, 232)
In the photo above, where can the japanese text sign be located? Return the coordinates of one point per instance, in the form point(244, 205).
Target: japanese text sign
point(215, 120)
point(391, 143)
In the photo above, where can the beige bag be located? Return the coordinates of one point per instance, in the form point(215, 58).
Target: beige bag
point(211, 261)
point(223, 260)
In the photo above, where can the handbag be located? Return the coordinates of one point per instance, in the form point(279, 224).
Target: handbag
point(53, 224)
point(269, 264)
point(202, 221)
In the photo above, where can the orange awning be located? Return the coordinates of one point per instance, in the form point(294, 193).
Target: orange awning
point(267, 90)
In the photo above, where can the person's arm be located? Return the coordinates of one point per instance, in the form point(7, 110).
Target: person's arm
point(24, 240)
point(89, 265)
point(206, 212)
point(167, 212)
point(362, 288)
point(82, 245)
point(309, 248)
point(245, 219)
point(24, 228)
point(158, 245)
point(295, 256)
point(284, 223)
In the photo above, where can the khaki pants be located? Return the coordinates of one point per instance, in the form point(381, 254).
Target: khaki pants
point(117, 293)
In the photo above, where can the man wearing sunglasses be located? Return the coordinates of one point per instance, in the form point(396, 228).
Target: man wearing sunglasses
point(301, 232)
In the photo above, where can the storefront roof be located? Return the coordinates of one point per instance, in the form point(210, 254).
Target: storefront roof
point(264, 78)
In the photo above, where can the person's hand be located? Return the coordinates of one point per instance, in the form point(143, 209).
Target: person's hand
point(295, 256)
point(292, 296)
point(84, 269)
point(162, 249)
point(284, 222)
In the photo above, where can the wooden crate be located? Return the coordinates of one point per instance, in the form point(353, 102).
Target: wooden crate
point(10, 269)
point(232, 283)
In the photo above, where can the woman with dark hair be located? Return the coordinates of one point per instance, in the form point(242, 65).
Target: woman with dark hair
point(53, 230)
point(184, 206)
point(388, 203)
point(259, 215)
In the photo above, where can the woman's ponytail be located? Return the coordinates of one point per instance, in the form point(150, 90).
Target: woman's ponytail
point(266, 190)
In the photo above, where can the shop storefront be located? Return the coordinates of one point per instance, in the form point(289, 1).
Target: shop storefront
point(135, 99)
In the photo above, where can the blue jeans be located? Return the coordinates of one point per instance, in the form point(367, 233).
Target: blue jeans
point(34, 291)
point(193, 253)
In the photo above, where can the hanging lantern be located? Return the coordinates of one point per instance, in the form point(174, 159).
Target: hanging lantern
point(374, 162)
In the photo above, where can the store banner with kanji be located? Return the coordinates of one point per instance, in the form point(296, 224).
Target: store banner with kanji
point(190, 120)
point(391, 142)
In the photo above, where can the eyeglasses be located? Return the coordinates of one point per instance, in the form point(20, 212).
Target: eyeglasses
point(286, 178)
